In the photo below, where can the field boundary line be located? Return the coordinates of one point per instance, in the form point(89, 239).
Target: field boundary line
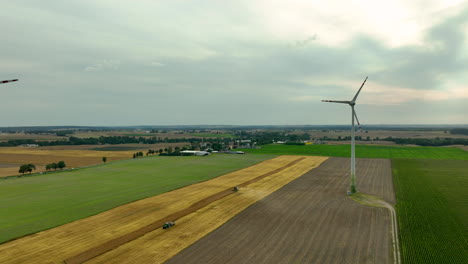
point(121, 240)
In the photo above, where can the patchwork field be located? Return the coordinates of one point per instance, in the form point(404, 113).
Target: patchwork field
point(36, 203)
point(387, 133)
point(74, 156)
point(364, 151)
point(432, 210)
point(67, 241)
point(309, 220)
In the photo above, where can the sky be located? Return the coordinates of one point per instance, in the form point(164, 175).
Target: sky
point(239, 62)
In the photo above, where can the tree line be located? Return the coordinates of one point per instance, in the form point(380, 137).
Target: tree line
point(113, 140)
point(429, 141)
point(459, 131)
point(263, 138)
point(52, 166)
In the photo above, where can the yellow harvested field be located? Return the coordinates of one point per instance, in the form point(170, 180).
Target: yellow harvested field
point(41, 157)
point(64, 242)
point(160, 245)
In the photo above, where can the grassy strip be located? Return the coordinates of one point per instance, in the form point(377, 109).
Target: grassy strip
point(33, 204)
point(432, 210)
point(367, 199)
point(364, 151)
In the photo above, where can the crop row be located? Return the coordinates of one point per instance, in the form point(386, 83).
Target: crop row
point(431, 212)
point(364, 151)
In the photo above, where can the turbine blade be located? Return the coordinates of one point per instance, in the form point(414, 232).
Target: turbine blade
point(355, 116)
point(355, 97)
point(333, 101)
point(7, 81)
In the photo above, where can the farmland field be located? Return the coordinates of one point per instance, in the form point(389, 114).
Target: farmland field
point(211, 135)
point(36, 203)
point(74, 156)
point(364, 151)
point(309, 220)
point(432, 210)
point(63, 242)
point(386, 133)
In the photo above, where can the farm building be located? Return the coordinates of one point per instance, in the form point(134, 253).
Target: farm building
point(194, 153)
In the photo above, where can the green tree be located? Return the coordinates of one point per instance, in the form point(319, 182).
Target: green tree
point(23, 168)
point(104, 159)
point(54, 166)
point(61, 164)
point(48, 167)
point(31, 167)
point(27, 168)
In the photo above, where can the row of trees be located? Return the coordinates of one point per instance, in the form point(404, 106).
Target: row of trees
point(429, 141)
point(459, 131)
point(262, 138)
point(54, 166)
point(113, 140)
point(137, 154)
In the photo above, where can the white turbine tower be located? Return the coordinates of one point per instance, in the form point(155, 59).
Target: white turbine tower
point(351, 103)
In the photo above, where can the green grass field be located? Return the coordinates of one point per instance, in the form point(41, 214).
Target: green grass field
point(36, 203)
point(364, 151)
point(432, 210)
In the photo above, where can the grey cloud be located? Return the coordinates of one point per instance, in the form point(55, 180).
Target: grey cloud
point(121, 74)
point(423, 67)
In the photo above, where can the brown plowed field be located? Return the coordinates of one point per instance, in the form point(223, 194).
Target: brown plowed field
point(309, 220)
point(70, 240)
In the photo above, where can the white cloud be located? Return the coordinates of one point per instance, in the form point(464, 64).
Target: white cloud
point(304, 98)
point(336, 22)
point(103, 65)
point(157, 64)
point(378, 94)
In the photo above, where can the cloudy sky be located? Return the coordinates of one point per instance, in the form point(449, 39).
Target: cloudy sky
point(239, 62)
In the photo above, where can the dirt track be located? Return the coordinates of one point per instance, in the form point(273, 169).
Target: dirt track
point(310, 220)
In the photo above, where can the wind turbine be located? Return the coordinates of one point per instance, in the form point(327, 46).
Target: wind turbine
point(351, 103)
point(7, 81)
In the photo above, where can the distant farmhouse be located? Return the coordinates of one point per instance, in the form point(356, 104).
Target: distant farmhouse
point(29, 145)
point(194, 153)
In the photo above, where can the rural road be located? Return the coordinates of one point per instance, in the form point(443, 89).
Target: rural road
point(396, 242)
point(377, 202)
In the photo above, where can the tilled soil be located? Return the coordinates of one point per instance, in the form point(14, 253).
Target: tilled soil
point(310, 220)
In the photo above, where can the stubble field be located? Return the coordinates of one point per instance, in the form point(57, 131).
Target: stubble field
point(67, 241)
point(11, 158)
point(310, 220)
